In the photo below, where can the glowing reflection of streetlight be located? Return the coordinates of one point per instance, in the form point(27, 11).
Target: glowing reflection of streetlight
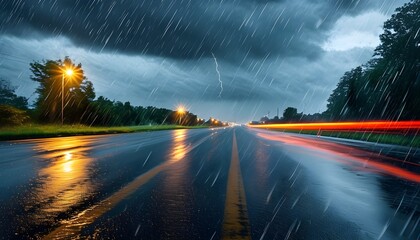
point(68, 156)
point(64, 183)
point(179, 148)
point(67, 166)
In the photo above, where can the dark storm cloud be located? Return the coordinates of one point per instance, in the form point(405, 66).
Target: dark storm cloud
point(231, 29)
point(270, 53)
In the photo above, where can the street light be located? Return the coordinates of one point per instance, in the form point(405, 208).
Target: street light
point(181, 111)
point(69, 72)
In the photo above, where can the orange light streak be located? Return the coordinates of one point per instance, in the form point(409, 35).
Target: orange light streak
point(374, 125)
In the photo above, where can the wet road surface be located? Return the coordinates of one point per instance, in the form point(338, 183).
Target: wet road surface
point(232, 183)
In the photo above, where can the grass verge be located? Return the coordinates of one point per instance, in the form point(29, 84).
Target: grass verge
point(410, 140)
point(44, 131)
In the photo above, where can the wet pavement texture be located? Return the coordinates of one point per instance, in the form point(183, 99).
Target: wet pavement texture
point(224, 183)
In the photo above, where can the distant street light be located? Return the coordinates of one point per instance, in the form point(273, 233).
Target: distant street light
point(69, 72)
point(181, 111)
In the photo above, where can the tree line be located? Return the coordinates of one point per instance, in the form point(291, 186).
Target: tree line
point(79, 103)
point(387, 86)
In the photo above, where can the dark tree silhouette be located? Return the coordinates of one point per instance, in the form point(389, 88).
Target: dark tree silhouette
point(78, 91)
point(345, 102)
point(9, 97)
point(110, 113)
point(291, 114)
point(399, 54)
point(388, 86)
point(79, 103)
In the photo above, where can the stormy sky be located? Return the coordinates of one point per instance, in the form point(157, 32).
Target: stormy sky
point(236, 60)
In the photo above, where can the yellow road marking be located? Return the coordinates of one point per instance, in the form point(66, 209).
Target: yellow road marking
point(235, 223)
point(71, 228)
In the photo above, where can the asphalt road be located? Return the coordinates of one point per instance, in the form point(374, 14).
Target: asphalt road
point(233, 183)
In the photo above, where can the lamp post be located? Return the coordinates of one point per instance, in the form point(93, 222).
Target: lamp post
point(69, 73)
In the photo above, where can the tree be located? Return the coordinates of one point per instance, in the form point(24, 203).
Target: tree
point(111, 113)
point(400, 40)
point(291, 114)
point(78, 91)
point(398, 64)
point(345, 102)
point(9, 97)
point(387, 87)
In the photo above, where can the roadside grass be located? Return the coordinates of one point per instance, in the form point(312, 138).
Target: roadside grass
point(43, 131)
point(410, 140)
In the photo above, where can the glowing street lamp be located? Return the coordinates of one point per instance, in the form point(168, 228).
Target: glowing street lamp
point(68, 72)
point(181, 111)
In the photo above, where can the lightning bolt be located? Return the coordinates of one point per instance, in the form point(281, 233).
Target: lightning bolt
point(218, 74)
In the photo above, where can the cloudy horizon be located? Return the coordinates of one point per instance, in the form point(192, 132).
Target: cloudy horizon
point(233, 60)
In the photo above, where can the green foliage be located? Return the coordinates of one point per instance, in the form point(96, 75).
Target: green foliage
point(11, 116)
point(105, 112)
point(80, 106)
point(9, 97)
point(77, 90)
point(400, 38)
point(388, 86)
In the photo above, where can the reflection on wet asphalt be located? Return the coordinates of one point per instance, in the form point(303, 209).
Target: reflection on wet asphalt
point(233, 183)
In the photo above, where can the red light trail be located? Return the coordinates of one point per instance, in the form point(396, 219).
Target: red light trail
point(373, 125)
point(347, 155)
